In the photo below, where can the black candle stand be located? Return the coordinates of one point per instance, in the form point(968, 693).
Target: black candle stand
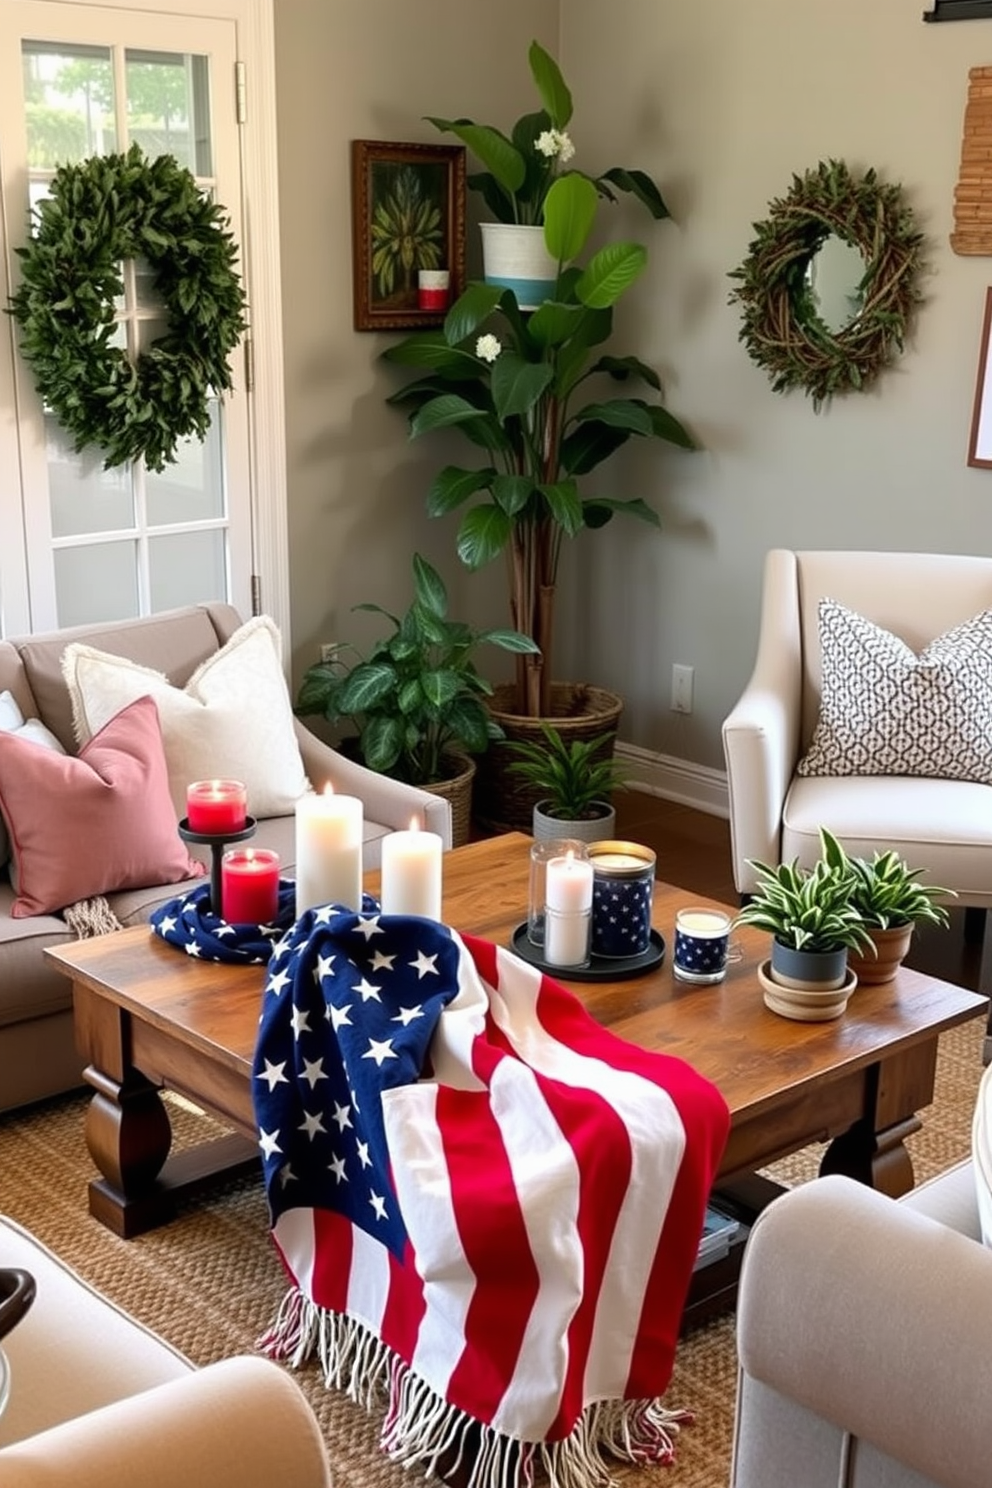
point(217, 841)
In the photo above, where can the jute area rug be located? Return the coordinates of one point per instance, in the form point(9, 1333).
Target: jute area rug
point(210, 1281)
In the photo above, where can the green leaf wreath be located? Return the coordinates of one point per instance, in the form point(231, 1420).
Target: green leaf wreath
point(100, 212)
point(781, 329)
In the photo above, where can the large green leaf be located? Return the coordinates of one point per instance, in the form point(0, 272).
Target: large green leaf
point(552, 323)
point(453, 485)
point(641, 186)
point(470, 310)
point(517, 385)
point(490, 146)
point(512, 492)
point(484, 533)
point(382, 742)
point(599, 510)
point(610, 272)
point(622, 368)
point(429, 587)
point(509, 640)
point(569, 213)
point(619, 413)
point(442, 413)
point(366, 684)
point(564, 504)
point(440, 686)
point(667, 427)
point(550, 85)
point(588, 445)
point(432, 349)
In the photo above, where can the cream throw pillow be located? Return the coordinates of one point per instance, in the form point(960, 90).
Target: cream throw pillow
point(233, 719)
point(12, 721)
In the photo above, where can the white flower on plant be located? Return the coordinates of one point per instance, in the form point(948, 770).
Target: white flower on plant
point(488, 348)
point(555, 142)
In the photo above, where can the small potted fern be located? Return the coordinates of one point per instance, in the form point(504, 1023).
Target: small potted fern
point(892, 902)
point(573, 779)
point(814, 924)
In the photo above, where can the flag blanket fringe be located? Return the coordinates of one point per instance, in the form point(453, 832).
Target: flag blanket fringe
point(421, 1430)
point(487, 1205)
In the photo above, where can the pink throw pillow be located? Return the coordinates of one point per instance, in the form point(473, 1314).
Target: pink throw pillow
point(93, 823)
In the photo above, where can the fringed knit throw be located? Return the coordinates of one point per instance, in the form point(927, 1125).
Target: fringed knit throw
point(88, 917)
point(488, 1206)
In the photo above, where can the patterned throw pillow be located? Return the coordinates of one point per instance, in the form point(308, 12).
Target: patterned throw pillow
point(886, 711)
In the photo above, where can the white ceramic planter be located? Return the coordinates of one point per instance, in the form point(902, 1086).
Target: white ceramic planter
point(516, 258)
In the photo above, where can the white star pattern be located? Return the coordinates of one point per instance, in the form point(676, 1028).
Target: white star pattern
point(269, 1142)
point(342, 1115)
point(336, 1166)
point(313, 1123)
point(323, 967)
point(366, 990)
point(338, 1016)
point(192, 949)
point(408, 1014)
point(378, 1204)
point(167, 923)
point(313, 1070)
point(301, 1023)
point(425, 964)
point(380, 1049)
point(274, 1074)
point(369, 926)
point(382, 962)
point(363, 1154)
point(278, 981)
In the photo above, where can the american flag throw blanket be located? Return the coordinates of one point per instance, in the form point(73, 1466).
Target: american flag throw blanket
point(489, 1207)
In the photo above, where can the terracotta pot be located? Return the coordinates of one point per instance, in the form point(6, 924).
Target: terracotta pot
point(891, 946)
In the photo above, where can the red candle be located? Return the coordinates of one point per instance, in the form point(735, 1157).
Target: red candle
point(249, 886)
point(216, 806)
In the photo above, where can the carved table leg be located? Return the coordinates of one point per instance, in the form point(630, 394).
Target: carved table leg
point(128, 1136)
point(878, 1159)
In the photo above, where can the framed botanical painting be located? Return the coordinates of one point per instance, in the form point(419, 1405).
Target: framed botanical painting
point(980, 443)
point(408, 232)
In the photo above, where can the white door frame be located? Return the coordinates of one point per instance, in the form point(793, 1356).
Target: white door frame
point(254, 23)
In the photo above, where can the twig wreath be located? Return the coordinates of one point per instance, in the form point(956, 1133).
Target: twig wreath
point(781, 328)
point(100, 212)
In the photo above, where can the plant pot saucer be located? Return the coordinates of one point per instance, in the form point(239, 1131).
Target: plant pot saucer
point(808, 1005)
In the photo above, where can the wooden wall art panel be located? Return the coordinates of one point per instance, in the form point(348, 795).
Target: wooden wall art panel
point(973, 194)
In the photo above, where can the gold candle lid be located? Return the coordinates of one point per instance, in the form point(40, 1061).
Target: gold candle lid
point(621, 859)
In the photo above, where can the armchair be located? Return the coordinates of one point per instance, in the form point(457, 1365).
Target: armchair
point(863, 1329)
point(944, 826)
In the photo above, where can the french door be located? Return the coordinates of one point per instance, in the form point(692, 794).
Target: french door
point(82, 544)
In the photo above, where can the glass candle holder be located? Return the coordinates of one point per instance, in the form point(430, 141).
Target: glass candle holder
point(541, 854)
point(249, 888)
point(567, 910)
point(622, 898)
point(216, 807)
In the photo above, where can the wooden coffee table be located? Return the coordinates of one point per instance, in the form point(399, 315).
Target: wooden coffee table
point(149, 1017)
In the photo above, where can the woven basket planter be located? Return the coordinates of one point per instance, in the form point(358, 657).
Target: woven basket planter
point(458, 791)
point(504, 802)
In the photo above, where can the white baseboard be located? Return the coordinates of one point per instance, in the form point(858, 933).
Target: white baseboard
point(675, 779)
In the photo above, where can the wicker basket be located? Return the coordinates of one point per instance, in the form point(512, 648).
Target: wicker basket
point(458, 791)
point(505, 803)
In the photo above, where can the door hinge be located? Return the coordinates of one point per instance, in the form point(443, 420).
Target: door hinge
point(249, 364)
point(240, 93)
point(256, 594)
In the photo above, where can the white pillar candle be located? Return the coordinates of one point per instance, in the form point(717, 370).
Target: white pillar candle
point(411, 873)
point(328, 850)
point(568, 901)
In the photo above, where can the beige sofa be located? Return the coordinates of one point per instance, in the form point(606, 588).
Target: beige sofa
point(97, 1401)
point(863, 1329)
point(37, 1051)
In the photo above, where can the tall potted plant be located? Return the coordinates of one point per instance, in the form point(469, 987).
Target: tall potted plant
point(417, 701)
point(525, 389)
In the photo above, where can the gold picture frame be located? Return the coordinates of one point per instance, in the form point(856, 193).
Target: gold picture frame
point(418, 190)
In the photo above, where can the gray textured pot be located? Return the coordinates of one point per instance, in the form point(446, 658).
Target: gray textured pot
point(586, 829)
point(808, 969)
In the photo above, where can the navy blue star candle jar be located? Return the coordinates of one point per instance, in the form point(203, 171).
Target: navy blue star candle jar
point(622, 897)
point(702, 938)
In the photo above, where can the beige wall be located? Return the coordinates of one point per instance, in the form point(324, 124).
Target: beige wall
point(722, 102)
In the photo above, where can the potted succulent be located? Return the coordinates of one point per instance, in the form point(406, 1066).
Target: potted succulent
point(417, 702)
point(572, 781)
point(526, 390)
point(814, 924)
point(891, 901)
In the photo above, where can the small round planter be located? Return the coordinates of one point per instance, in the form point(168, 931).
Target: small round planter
point(807, 986)
point(515, 257)
point(802, 970)
point(891, 945)
point(586, 829)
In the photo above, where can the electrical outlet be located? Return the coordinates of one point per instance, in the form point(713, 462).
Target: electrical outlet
point(327, 650)
point(682, 689)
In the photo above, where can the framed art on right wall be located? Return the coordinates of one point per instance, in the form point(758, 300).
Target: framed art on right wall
point(980, 443)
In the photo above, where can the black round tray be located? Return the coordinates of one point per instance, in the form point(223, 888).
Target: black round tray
point(600, 968)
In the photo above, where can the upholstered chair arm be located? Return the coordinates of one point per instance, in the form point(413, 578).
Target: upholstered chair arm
point(387, 801)
point(761, 733)
point(243, 1423)
point(875, 1319)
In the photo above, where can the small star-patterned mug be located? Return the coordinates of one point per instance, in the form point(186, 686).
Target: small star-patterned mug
point(702, 945)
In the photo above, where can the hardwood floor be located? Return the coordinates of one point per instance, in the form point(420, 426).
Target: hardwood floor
point(693, 850)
